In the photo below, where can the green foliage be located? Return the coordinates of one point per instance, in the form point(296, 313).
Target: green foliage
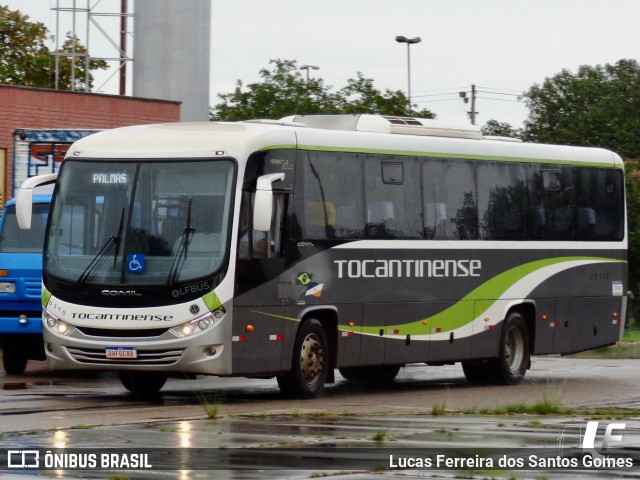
point(500, 129)
point(25, 59)
point(78, 81)
point(632, 179)
point(597, 106)
point(283, 91)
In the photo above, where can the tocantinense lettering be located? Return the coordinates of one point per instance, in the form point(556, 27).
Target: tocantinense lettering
point(122, 316)
point(408, 268)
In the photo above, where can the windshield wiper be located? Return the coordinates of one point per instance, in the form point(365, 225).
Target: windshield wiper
point(112, 243)
point(183, 247)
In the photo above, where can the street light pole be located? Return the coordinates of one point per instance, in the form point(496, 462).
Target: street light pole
point(307, 67)
point(409, 42)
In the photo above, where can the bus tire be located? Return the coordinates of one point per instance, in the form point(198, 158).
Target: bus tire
point(381, 374)
point(310, 364)
point(478, 372)
point(15, 355)
point(514, 356)
point(144, 384)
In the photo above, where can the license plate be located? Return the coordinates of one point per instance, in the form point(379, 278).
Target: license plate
point(121, 352)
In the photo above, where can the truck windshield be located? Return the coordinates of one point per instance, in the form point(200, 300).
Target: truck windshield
point(15, 240)
point(139, 223)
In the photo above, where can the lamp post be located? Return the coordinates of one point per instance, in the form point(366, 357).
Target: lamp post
point(409, 42)
point(307, 67)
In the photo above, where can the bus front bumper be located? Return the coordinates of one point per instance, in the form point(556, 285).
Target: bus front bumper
point(206, 355)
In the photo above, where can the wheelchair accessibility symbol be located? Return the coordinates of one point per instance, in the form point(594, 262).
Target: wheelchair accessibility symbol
point(135, 262)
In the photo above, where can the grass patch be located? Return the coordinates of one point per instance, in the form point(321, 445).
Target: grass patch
point(546, 406)
point(631, 334)
point(210, 406)
point(611, 413)
point(439, 409)
point(382, 435)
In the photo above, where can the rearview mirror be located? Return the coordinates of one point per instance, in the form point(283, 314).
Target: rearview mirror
point(263, 202)
point(24, 198)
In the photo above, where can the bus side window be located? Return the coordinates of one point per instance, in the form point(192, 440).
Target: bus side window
point(552, 203)
point(599, 194)
point(449, 199)
point(391, 191)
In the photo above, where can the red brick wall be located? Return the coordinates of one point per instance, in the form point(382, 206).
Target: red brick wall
point(28, 108)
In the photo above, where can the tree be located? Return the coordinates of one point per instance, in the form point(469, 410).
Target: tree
point(597, 106)
point(360, 96)
point(77, 81)
point(24, 57)
point(26, 60)
point(500, 129)
point(283, 91)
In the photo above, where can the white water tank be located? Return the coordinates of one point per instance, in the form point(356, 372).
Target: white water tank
point(171, 53)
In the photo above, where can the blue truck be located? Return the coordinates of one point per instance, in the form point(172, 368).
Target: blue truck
point(21, 286)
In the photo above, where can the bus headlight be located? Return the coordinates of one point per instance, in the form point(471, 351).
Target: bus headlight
point(7, 287)
point(55, 324)
point(194, 326)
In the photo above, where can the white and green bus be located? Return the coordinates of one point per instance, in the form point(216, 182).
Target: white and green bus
point(361, 243)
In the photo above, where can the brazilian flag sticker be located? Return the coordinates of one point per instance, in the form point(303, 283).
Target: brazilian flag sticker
point(304, 278)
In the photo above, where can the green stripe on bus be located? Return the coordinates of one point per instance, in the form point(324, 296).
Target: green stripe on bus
point(46, 296)
point(212, 301)
point(463, 156)
point(459, 315)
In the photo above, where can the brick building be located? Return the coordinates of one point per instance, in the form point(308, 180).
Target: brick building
point(24, 109)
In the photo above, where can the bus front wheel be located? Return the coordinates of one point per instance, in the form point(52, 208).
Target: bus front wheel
point(143, 383)
point(310, 365)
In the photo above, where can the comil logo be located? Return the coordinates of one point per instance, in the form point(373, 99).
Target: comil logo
point(23, 458)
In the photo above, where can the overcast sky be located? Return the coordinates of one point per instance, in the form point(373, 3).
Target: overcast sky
point(501, 46)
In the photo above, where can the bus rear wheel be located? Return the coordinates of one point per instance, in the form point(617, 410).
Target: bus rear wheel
point(478, 372)
point(144, 384)
point(310, 365)
point(513, 360)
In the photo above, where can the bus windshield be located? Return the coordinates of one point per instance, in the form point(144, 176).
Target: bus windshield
point(15, 240)
point(139, 223)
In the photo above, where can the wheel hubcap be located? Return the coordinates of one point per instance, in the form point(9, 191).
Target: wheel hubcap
point(311, 358)
point(514, 350)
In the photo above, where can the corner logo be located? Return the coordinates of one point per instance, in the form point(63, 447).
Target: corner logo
point(589, 438)
point(579, 436)
point(23, 459)
point(312, 288)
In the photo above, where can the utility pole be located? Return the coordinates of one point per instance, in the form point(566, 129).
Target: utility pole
point(472, 113)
